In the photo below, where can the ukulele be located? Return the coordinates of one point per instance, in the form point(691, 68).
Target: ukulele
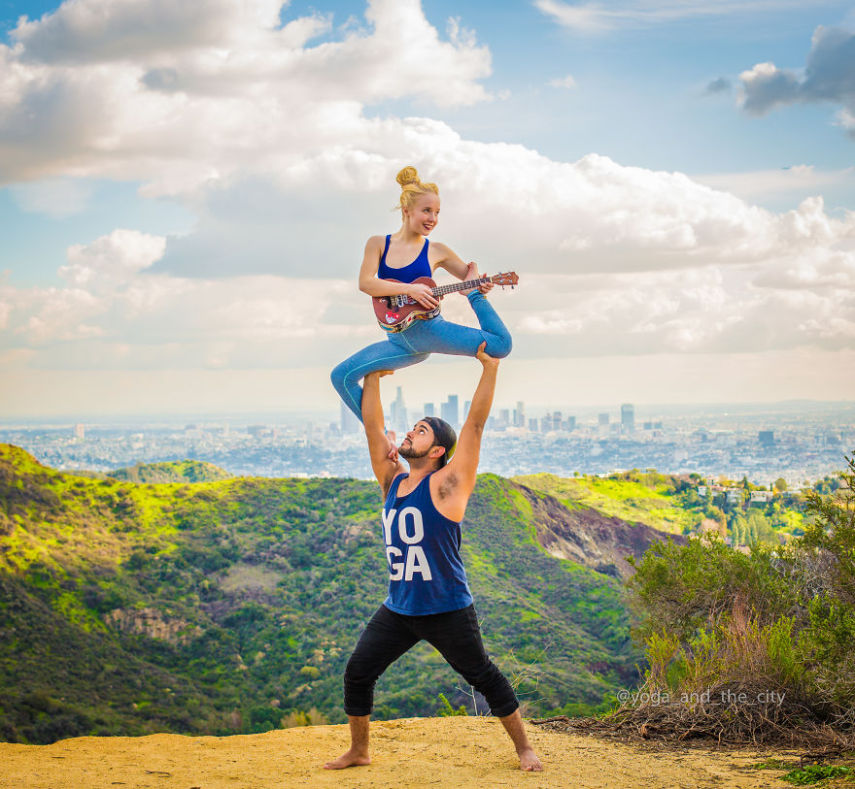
point(396, 313)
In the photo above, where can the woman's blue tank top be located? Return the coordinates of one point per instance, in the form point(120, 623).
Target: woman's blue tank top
point(426, 574)
point(420, 267)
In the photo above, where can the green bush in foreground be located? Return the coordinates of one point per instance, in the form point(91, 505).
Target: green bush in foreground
point(776, 627)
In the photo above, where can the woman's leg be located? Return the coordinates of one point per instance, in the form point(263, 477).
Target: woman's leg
point(442, 336)
point(392, 353)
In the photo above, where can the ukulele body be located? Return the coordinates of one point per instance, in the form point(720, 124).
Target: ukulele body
point(396, 313)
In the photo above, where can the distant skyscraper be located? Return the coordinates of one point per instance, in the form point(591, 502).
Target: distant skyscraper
point(570, 423)
point(519, 414)
point(451, 411)
point(467, 404)
point(79, 431)
point(766, 438)
point(627, 417)
point(429, 409)
point(349, 422)
point(602, 419)
point(532, 425)
point(398, 412)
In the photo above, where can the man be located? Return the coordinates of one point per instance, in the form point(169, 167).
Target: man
point(428, 597)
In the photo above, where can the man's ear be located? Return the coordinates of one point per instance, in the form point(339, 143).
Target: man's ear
point(436, 455)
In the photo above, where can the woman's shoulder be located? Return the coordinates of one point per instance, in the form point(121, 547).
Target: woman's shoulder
point(439, 252)
point(375, 241)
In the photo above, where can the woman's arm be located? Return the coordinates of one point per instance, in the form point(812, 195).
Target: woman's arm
point(370, 284)
point(449, 260)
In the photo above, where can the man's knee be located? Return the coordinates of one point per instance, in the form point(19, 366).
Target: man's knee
point(489, 681)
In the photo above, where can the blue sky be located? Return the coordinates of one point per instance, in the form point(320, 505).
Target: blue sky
point(157, 228)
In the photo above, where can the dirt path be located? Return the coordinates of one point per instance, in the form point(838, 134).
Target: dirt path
point(448, 752)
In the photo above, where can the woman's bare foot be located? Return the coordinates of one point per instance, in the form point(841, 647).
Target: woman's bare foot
point(393, 445)
point(529, 761)
point(349, 759)
point(472, 273)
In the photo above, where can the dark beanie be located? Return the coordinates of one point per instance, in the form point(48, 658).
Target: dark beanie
point(443, 435)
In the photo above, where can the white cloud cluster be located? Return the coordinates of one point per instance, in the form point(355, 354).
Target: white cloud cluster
point(144, 319)
point(828, 76)
point(183, 94)
point(266, 135)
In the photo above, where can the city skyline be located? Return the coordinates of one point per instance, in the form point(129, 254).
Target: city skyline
point(186, 191)
point(760, 445)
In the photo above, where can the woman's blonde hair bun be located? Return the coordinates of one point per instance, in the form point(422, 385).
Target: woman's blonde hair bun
point(409, 175)
point(412, 188)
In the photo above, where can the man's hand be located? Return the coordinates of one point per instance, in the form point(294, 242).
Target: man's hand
point(379, 374)
point(472, 273)
point(482, 356)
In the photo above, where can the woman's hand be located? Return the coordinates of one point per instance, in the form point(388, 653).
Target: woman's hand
point(422, 294)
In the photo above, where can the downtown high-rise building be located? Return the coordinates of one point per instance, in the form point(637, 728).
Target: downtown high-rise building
point(349, 422)
point(450, 411)
point(627, 418)
point(398, 413)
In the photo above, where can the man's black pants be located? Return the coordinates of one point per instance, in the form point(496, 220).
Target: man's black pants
point(455, 634)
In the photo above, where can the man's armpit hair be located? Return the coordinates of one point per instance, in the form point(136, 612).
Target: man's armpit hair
point(448, 484)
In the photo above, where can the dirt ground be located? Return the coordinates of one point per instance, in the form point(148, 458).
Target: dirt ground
point(456, 752)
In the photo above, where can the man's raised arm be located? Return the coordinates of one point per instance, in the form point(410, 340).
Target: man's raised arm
point(462, 470)
point(385, 469)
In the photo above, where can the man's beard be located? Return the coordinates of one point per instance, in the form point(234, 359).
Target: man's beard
point(406, 451)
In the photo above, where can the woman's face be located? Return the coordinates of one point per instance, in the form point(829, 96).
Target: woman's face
point(423, 215)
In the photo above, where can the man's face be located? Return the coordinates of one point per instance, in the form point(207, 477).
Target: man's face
point(418, 441)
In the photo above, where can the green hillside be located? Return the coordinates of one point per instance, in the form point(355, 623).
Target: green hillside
point(672, 504)
point(175, 471)
point(640, 497)
point(228, 606)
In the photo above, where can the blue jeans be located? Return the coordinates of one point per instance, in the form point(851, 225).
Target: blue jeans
point(416, 343)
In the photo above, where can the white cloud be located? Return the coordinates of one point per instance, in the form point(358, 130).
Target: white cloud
point(802, 179)
point(588, 17)
point(111, 260)
point(564, 82)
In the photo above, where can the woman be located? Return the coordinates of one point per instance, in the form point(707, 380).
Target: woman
point(405, 256)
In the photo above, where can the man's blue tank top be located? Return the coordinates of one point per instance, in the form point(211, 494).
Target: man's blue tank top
point(420, 267)
point(426, 574)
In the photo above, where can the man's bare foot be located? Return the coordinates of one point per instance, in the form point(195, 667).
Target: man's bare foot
point(529, 761)
point(349, 759)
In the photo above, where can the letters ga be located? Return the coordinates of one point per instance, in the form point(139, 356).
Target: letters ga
point(411, 531)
